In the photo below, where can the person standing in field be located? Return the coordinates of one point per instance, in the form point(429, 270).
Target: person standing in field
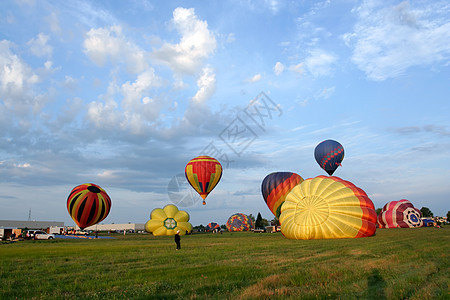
point(178, 240)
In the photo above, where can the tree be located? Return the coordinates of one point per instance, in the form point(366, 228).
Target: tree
point(426, 212)
point(258, 222)
point(448, 216)
point(275, 222)
point(378, 211)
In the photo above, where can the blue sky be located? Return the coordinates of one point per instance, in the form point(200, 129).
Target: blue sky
point(124, 93)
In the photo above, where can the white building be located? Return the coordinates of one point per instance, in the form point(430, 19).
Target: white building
point(120, 227)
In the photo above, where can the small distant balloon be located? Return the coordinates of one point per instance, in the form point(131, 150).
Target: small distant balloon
point(239, 222)
point(329, 155)
point(203, 173)
point(88, 204)
point(212, 226)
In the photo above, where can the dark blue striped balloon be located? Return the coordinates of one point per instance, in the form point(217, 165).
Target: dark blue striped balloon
point(329, 155)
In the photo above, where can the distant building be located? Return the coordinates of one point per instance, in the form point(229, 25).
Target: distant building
point(114, 227)
point(29, 224)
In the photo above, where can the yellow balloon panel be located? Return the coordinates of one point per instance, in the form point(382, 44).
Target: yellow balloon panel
point(327, 208)
point(167, 221)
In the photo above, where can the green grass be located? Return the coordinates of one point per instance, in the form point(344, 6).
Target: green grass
point(394, 264)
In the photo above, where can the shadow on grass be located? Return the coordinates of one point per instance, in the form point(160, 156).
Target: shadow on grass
point(375, 286)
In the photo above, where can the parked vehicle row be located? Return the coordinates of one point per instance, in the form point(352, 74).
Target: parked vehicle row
point(38, 235)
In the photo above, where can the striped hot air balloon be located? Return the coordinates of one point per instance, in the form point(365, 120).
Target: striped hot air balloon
point(212, 226)
point(88, 204)
point(275, 188)
point(327, 208)
point(203, 173)
point(399, 214)
point(239, 222)
point(329, 155)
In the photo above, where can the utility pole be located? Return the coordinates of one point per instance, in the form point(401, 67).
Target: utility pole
point(29, 215)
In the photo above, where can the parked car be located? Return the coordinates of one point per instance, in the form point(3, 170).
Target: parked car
point(39, 235)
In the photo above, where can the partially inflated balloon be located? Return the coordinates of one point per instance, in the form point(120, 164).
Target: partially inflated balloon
point(167, 221)
point(399, 214)
point(88, 204)
point(239, 222)
point(212, 226)
point(275, 188)
point(329, 155)
point(327, 208)
point(203, 173)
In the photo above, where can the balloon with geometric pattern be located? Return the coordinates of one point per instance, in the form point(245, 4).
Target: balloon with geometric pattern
point(88, 204)
point(239, 222)
point(275, 188)
point(203, 173)
point(329, 155)
point(327, 208)
point(400, 214)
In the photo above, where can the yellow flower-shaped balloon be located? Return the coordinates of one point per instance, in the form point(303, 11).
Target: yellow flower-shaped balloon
point(167, 221)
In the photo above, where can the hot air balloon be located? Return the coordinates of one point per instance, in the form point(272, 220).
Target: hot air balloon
point(329, 155)
point(88, 204)
point(275, 188)
point(203, 173)
point(239, 222)
point(212, 226)
point(399, 214)
point(327, 208)
point(167, 221)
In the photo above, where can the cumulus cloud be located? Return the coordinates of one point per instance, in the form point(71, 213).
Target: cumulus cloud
point(39, 47)
point(196, 44)
point(254, 79)
point(278, 68)
point(106, 43)
point(386, 41)
point(16, 82)
point(319, 62)
point(206, 86)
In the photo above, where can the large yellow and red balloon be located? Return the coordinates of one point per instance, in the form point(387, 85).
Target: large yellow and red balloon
point(168, 220)
point(400, 214)
point(327, 208)
point(203, 173)
point(275, 188)
point(88, 204)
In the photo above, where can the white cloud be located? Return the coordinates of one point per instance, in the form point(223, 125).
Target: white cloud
point(135, 101)
point(206, 86)
point(103, 43)
point(16, 82)
point(197, 43)
point(254, 79)
point(388, 40)
point(39, 47)
point(278, 68)
point(319, 62)
point(298, 68)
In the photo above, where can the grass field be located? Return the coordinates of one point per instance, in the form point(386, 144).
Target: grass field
point(393, 264)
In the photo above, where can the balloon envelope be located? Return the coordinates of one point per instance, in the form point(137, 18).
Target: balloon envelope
point(275, 188)
point(203, 173)
point(167, 221)
point(399, 214)
point(88, 204)
point(239, 222)
point(327, 208)
point(212, 226)
point(329, 155)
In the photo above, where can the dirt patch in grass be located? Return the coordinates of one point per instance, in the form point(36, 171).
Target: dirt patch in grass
point(272, 286)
